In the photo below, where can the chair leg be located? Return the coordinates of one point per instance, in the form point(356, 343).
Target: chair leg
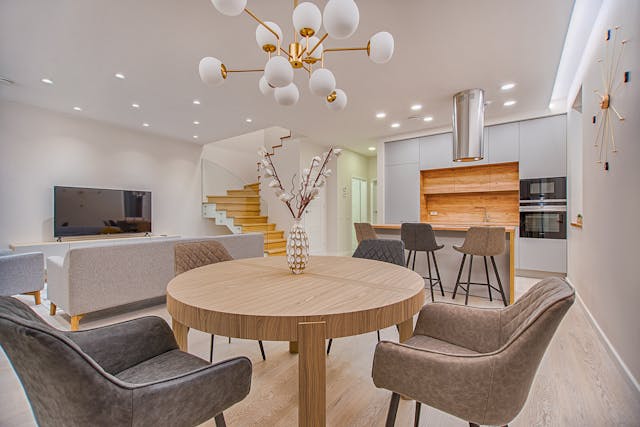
point(495, 270)
point(408, 259)
point(430, 279)
point(435, 263)
point(393, 410)
point(229, 340)
point(473, 424)
point(466, 298)
point(52, 309)
point(486, 270)
point(416, 418)
point(329, 346)
point(455, 289)
point(262, 350)
point(378, 331)
point(211, 350)
point(413, 266)
point(220, 420)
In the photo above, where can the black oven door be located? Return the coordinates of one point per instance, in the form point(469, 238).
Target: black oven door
point(543, 189)
point(543, 222)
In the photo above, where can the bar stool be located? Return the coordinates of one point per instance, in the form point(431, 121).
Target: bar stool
point(484, 242)
point(419, 237)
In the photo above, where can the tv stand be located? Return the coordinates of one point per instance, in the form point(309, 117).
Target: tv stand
point(59, 239)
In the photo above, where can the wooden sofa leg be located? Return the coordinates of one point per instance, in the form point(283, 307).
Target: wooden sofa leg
point(52, 309)
point(36, 296)
point(75, 321)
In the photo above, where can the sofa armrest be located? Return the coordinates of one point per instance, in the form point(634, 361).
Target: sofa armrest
point(195, 397)
point(20, 273)
point(477, 329)
point(123, 345)
point(457, 384)
point(58, 282)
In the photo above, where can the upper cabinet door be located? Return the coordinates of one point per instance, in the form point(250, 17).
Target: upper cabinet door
point(543, 147)
point(504, 143)
point(400, 152)
point(436, 151)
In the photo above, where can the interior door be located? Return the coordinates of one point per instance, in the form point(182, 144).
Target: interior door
point(358, 205)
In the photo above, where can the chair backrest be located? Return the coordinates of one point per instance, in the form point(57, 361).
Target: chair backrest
point(387, 250)
point(364, 231)
point(64, 386)
point(418, 236)
point(198, 254)
point(525, 332)
point(484, 241)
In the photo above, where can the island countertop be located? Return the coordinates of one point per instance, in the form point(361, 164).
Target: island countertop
point(451, 227)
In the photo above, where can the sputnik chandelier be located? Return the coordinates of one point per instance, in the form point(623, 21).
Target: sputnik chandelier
point(340, 17)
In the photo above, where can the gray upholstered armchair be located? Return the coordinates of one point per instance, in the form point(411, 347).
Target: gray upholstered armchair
point(476, 364)
point(127, 374)
point(21, 274)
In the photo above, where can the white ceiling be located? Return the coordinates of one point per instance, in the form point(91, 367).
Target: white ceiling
point(441, 47)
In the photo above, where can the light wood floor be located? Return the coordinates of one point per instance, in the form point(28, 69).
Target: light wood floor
point(577, 384)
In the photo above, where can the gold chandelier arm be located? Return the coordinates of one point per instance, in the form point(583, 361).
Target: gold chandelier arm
point(344, 49)
point(285, 52)
point(246, 71)
point(318, 44)
point(261, 22)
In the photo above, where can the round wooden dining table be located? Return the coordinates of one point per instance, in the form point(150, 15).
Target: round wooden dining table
point(260, 299)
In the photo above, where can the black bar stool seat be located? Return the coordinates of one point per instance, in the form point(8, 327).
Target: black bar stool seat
point(419, 237)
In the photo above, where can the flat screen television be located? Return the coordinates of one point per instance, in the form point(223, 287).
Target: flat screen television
point(99, 211)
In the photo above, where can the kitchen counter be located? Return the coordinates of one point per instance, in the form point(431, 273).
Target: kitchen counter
point(449, 259)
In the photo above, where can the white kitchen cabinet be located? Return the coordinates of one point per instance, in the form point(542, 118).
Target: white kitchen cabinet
point(504, 143)
point(548, 255)
point(543, 147)
point(436, 151)
point(398, 152)
point(402, 193)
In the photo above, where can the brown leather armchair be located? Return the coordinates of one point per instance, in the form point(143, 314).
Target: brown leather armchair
point(476, 364)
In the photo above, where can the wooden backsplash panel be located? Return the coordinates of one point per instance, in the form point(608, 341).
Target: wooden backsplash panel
point(469, 208)
point(471, 179)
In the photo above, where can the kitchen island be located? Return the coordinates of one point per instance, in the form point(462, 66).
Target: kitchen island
point(449, 259)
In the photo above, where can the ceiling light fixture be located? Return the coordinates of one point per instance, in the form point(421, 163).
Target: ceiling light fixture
point(134, 105)
point(416, 107)
point(381, 115)
point(195, 122)
point(395, 125)
point(196, 102)
point(119, 76)
point(372, 148)
point(248, 120)
point(47, 81)
point(509, 103)
point(507, 86)
point(340, 18)
point(428, 119)
point(146, 125)
point(77, 108)
point(195, 136)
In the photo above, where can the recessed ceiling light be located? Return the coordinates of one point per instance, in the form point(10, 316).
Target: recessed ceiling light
point(47, 81)
point(146, 125)
point(119, 76)
point(372, 148)
point(196, 102)
point(195, 136)
point(428, 119)
point(507, 86)
point(77, 108)
point(509, 103)
point(134, 105)
point(381, 115)
point(195, 122)
point(416, 107)
point(248, 120)
point(395, 125)
point(489, 102)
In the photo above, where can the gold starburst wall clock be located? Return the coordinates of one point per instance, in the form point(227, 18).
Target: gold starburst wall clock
point(612, 82)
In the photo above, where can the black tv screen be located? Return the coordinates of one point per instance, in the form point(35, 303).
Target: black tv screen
point(100, 211)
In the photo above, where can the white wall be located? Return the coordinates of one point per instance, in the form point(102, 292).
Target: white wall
point(603, 254)
point(40, 149)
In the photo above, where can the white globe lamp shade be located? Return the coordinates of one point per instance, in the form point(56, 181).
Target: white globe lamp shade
point(266, 40)
point(336, 101)
point(212, 71)
point(230, 7)
point(278, 72)
point(341, 18)
point(265, 88)
point(318, 52)
point(287, 95)
point(381, 47)
point(307, 19)
point(322, 82)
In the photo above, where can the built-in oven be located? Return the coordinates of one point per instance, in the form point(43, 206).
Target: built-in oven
point(544, 189)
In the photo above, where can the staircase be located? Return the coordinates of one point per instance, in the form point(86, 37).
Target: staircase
point(239, 210)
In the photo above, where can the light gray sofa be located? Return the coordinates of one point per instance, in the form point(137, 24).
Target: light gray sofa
point(21, 274)
point(100, 277)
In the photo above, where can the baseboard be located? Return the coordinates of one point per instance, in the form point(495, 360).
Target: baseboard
point(610, 348)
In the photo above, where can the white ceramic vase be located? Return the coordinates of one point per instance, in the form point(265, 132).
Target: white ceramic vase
point(297, 248)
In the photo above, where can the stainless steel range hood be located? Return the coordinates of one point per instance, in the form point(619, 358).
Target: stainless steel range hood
point(468, 125)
